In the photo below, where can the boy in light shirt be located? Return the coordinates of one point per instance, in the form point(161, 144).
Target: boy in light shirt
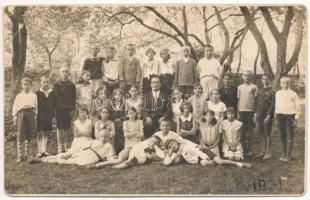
point(110, 70)
point(209, 70)
point(286, 110)
point(246, 94)
point(25, 109)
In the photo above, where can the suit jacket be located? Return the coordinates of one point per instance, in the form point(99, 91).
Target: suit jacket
point(155, 110)
point(130, 71)
point(46, 105)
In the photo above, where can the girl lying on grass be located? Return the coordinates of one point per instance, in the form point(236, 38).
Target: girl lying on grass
point(191, 153)
point(147, 150)
point(94, 152)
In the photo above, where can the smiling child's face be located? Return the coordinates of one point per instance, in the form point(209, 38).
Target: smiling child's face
point(164, 127)
point(82, 114)
point(173, 146)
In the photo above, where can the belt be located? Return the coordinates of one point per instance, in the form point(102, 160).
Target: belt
point(99, 157)
point(27, 110)
point(208, 76)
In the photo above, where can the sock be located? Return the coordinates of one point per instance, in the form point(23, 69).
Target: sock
point(66, 145)
point(44, 144)
point(59, 141)
point(239, 165)
point(26, 148)
point(19, 150)
point(39, 142)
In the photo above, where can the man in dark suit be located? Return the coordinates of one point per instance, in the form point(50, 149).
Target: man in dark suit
point(156, 105)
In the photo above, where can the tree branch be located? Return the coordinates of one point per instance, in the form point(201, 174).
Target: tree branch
point(266, 14)
point(287, 22)
point(184, 21)
point(211, 16)
point(149, 27)
point(223, 27)
point(298, 42)
point(56, 44)
point(8, 13)
point(197, 39)
point(165, 20)
point(249, 18)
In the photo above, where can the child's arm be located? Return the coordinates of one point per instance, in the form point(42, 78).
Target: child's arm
point(193, 131)
point(225, 140)
point(127, 133)
point(141, 133)
point(75, 131)
point(236, 143)
point(14, 109)
point(97, 131)
point(112, 131)
point(160, 153)
point(169, 159)
point(178, 128)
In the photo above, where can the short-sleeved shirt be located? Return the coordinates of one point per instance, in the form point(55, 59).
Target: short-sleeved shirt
point(246, 94)
point(231, 129)
point(218, 108)
point(170, 136)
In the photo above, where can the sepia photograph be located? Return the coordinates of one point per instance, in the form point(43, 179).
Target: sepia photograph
point(155, 99)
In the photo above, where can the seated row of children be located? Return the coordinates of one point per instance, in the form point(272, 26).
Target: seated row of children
point(164, 146)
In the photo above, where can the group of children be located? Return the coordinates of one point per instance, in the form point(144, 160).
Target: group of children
point(213, 127)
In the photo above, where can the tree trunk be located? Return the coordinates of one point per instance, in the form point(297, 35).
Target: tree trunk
point(239, 59)
point(19, 44)
point(49, 55)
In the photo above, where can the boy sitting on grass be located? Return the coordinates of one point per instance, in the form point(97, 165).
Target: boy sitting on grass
point(147, 150)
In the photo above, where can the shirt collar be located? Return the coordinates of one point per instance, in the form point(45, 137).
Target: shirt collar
point(184, 119)
point(46, 93)
point(186, 59)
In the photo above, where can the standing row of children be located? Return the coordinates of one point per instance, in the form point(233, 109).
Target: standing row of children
point(30, 109)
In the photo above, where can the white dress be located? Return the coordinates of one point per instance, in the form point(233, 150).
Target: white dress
point(84, 130)
point(231, 129)
point(217, 108)
point(176, 109)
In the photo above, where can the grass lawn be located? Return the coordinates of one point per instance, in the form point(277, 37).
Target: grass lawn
point(41, 178)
